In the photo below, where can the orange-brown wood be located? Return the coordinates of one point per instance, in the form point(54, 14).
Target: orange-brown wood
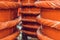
point(31, 26)
point(48, 4)
point(7, 15)
point(27, 2)
point(11, 37)
point(19, 9)
point(41, 36)
point(32, 10)
point(29, 13)
point(52, 14)
point(29, 32)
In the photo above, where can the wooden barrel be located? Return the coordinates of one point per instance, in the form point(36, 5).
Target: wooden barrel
point(51, 14)
point(7, 14)
point(29, 13)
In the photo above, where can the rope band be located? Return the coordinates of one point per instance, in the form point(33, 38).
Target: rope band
point(48, 4)
point(9, 5)
point(50, 23)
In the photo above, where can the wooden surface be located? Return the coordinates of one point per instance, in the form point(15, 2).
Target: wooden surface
point(7, 15)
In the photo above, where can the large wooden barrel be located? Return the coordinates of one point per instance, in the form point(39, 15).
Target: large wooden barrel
point(51, 14)
point(7, 13)
point(29, 13)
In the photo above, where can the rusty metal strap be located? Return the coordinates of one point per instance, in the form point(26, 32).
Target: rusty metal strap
point(9, 5)
point(48, 4)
